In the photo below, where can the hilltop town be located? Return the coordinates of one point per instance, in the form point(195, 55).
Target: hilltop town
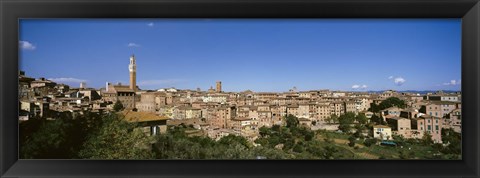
point(216, 113)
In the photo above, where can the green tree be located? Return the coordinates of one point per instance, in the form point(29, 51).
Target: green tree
point(117, 139)
point(276, 127)
point(374, 108)
point(328, 138)
point(427, 138)
point(351, 142)
point(298, 148)
point(361, 119)
point(345, 122)
point(370, 141)
point(118, 106)
point(378, 120)
point(292, 121)
point(333, 119)
point(392, 101)
point(48, 142)
point(233, 139)
point(37, 136)
point(264, 131)
point(453, 140)
point(329, 152)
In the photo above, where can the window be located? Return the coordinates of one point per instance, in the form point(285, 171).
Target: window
point(436, 128)
point(429, 127)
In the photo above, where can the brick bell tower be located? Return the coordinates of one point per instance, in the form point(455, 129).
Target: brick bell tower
point(132, 67)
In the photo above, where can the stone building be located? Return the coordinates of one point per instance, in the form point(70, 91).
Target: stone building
point(119, 92)
point(123, 93)
point(440, 108)
point(428, 124)
point(219, 87)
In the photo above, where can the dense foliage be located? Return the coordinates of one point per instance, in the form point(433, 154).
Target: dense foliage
point(109, 136)
point(389, 102)
point(117, 139)
point(118, 106)
point(56, 139)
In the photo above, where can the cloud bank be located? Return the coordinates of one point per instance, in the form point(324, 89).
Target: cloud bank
point(399, 81)
point(67, 80)
point(453, 82)
point(26, 45)
point(133, 45)
point(356, 87)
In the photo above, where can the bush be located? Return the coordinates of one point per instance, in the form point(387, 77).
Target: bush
point(351, 142)
point(118, 106)
point(369, 142)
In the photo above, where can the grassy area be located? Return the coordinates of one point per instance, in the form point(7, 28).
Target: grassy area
point(340, 140)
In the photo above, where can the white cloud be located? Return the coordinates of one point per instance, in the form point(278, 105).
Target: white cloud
point(151, 24)
point(355, 87)
point(453, 82)
point(67, 80)
point(399, 81)
point(26, 45)
point(391, 77)
point(133, 45)
point(159, 82)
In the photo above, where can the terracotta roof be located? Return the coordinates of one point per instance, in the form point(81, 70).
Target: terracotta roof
point(122, 88)
point(132, 116)
point(389, 116)
point(410, 110)
point(398, 118)
point(380, 126)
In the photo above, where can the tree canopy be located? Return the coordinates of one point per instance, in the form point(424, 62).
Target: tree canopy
point(389, 102)
point(117, 139)
point(118, 106)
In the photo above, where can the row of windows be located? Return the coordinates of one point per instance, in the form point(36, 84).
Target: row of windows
point(430, 127)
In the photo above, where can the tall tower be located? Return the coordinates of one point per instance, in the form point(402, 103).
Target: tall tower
point(83, 85)
point(132, 67)
point(219, 86)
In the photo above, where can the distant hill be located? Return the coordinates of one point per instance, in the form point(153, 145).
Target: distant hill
point(422, 92)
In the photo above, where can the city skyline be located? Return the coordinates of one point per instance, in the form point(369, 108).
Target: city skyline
point(260, 55)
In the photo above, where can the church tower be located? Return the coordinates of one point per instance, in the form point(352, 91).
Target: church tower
point(132, 67)
point(219, 87)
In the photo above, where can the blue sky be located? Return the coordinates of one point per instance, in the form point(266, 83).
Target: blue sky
point(255, 54)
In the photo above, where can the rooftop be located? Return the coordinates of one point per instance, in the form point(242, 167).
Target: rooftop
point(380, 126)
point(132, 116)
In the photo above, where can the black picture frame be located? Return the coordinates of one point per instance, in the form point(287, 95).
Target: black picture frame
point(12, 10)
